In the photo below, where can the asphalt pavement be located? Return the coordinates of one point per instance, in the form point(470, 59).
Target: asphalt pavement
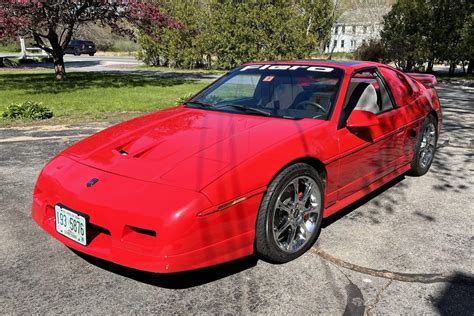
point(406, 248)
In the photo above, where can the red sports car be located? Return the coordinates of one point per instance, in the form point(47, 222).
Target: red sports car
point(251, 164)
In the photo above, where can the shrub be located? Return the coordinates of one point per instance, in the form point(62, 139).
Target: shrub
point(184, 98)
point(27, 110)
point(373, 50)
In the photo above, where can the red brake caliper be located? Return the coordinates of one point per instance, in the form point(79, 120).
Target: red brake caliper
point(300, 196)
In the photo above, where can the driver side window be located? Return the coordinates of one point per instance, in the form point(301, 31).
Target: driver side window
point(367, 92)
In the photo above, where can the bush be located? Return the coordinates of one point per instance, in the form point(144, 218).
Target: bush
point(373, 50)
point(183, 99)
point(8, 63)
point(12, 46)
point(27, 110)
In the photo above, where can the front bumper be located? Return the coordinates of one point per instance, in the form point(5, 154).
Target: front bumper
point(122, 212)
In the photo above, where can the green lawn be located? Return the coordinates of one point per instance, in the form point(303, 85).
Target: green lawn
point(88, 94)
point(179, 70)
point(446, 77)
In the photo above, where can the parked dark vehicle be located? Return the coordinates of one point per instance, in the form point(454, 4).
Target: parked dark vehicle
point(78, 47)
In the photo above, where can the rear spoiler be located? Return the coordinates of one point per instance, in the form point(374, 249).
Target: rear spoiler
point(427, 80)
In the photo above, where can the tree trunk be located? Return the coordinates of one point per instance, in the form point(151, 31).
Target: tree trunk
point(59, 68)
point(452, 68)
point(471, 65)
point(429, 68)
point(409, 65)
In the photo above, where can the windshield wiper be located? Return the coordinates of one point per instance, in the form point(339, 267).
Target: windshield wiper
point(246, 109)
point(207, 105)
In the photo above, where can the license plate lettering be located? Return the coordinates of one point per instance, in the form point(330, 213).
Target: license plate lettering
point(71, 224)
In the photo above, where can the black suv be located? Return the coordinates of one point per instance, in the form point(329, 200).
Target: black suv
point(78, 47)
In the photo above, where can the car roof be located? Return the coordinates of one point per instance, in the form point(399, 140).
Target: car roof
point(344, 64)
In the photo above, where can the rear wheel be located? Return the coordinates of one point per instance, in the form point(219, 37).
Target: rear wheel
point(77, 52)
point(289, 219)
point(425, 147)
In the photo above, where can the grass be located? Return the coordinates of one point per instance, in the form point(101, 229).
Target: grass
point(89, 95)
point(10, 47)
point(456, 77)
point(335, 56)
point(178, 70)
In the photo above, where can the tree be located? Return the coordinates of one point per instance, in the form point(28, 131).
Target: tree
point(428, 31)
point(52, 23)
point(405, 33)
point(225, 33)
point(373, 50)
point(178, 47)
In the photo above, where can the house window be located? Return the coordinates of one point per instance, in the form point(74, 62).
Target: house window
point(335, 29)
point(342, 43)
point(343, 29)
point(354, 29)
point(335, 43)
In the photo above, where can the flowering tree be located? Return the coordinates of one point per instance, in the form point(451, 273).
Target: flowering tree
point(52, 23)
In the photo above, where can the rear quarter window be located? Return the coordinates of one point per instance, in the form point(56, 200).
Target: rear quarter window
point(402, 87)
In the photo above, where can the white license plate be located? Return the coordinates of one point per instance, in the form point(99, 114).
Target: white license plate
point(71, 224)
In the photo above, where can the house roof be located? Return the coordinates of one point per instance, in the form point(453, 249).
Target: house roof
point(363, 15)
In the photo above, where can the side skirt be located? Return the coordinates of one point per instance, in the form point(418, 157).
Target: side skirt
point(366, 190)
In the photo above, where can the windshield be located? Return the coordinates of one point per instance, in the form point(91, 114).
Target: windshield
point(291, 91)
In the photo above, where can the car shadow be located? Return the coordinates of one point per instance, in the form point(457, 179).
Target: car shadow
point(189, 279)
point(179, 280)
point(364, 200)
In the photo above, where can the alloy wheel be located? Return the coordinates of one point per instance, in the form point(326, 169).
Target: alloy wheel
point(296, 214)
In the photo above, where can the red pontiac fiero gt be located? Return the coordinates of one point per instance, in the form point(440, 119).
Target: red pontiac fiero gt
point(251, 164)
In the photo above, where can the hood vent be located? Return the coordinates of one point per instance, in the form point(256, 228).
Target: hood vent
point(135, 153)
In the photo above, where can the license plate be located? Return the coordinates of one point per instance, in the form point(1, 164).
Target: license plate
point(71, 224)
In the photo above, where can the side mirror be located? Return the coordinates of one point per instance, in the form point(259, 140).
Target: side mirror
point(361, 118)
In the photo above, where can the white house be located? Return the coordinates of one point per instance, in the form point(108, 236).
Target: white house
point(355, 27)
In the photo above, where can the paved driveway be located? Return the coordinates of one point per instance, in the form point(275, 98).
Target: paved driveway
point(407, 248)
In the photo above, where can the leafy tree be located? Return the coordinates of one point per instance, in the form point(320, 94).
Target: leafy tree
point(178, 47)
point(225, 33)
point(419, 31)
point(404, 33)
point(467, 39)
point(52, 23)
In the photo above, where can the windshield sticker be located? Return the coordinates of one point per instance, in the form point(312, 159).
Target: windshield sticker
point(288, 67)
point(268, 78)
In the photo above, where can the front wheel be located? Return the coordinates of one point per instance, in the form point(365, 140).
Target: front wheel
point(425, 148)
point(289, 219)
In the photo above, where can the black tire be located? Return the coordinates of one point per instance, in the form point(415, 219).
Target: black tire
point(91, 54)
point(77, 53)
point(419, 166)
point(266, 246)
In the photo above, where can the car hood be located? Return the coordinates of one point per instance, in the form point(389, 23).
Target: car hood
point(181, 146)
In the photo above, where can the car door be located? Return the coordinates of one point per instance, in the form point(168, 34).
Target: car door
point(367, 154)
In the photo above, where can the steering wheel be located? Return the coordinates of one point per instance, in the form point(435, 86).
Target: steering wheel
point(303, 105)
